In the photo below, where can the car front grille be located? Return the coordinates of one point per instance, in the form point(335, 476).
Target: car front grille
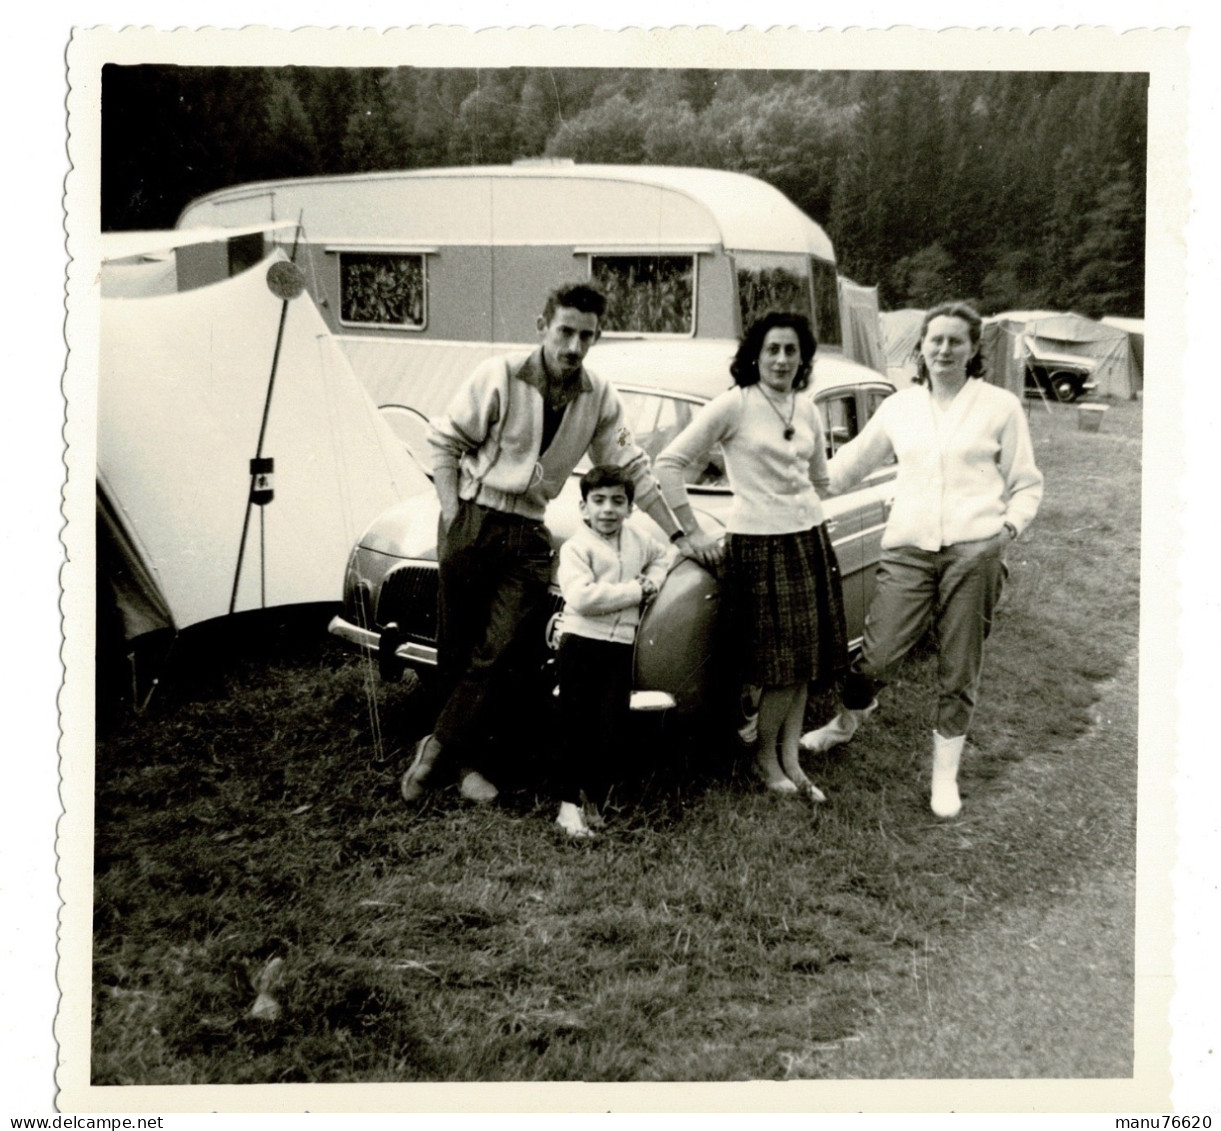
point(408, 598)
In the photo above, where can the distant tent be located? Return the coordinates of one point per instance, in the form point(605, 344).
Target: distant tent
point(900, 331)
point(861, 325)
point(1051, 333)
point(1003, 347)
point(182, 383)
point(1135, 329)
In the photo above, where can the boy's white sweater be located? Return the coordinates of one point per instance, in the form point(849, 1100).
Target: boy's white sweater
point(599, 579)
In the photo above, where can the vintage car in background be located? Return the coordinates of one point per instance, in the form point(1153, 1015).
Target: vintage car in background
point(1063, 377)
point(390, 588)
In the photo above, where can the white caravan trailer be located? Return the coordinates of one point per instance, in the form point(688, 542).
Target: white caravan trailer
point(422, 274)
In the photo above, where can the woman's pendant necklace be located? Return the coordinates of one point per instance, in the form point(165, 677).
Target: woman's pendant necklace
point(789, 430)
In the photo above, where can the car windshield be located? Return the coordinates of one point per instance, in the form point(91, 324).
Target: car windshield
point(655, 420)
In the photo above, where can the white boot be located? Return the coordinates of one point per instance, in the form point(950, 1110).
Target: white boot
point(572, 821)
point(947, 753)
point(838, 731)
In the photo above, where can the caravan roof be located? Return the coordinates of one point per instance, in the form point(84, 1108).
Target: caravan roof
point(620, 206)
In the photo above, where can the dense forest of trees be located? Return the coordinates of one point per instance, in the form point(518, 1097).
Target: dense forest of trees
point(1017, 190)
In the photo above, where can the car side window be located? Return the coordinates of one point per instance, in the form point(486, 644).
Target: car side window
point(656, 420)
point(839, 421)
point(873, 398)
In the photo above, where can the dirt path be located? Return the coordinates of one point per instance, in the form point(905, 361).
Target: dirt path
point(1039, 990)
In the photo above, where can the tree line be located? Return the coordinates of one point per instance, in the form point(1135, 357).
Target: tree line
point(1018, 190)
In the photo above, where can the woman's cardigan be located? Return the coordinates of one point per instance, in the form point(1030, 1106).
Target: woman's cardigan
point(961, 475)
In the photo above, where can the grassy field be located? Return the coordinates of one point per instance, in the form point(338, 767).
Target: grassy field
point(251, 814)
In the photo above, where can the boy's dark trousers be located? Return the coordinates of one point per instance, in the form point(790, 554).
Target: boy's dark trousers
point(595, 698)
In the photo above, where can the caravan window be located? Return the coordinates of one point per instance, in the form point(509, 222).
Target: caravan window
point(382, 289)
point(827, 326)
point(646, 294)
point(772, 282)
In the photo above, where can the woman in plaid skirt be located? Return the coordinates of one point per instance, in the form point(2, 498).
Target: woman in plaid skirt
point(780, 576)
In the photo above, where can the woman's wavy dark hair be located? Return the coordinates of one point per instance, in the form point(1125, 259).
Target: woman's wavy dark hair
point(975, 326)
point(745, 364)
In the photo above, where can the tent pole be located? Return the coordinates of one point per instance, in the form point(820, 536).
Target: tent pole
point(256, 465)
point(271, 384)
point(1026, 355)
point(262, 558)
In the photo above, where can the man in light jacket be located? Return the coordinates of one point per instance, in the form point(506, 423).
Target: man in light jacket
point(509, 440)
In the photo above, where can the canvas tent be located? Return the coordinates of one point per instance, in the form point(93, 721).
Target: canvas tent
point(1048, 334)
point(182, 383)
point(900, 329)
point(1004, 349)
point(862, 327)
point(1135, 329)
point(142, 264)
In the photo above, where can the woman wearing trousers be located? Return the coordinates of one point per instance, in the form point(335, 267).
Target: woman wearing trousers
point(966, 487)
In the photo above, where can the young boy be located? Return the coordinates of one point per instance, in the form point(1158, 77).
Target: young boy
point(608, 573)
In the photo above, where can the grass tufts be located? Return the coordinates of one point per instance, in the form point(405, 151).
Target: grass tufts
point(713, 933)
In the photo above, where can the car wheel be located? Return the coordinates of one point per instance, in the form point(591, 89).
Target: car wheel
point(1064, 388)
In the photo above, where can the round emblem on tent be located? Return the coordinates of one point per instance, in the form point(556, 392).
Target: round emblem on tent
point(285, 280)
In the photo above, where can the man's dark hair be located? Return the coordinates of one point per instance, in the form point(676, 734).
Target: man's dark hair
point(597, 477)
point(745, 365)
point(576, 296)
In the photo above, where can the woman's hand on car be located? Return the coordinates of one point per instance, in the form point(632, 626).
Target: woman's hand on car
point(703, 548)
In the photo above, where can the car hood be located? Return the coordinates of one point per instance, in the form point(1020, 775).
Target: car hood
point(701, 367)
point(406, 530)
point(409, 528)
point(1064, 360)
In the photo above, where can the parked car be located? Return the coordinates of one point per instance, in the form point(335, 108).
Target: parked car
point(1064, 377)
point(390, 587)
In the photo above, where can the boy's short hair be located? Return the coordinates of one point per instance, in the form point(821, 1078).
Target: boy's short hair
point(607, 477)
point(576, 296)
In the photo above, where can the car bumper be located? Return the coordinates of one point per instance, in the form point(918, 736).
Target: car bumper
point(423, 656)
point(412, 654)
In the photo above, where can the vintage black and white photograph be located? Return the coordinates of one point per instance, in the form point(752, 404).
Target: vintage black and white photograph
point(621, 569)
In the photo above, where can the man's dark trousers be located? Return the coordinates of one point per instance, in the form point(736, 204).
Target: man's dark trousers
point(494, 572)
